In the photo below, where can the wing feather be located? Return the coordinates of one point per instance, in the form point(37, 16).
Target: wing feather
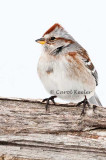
point(84, 56)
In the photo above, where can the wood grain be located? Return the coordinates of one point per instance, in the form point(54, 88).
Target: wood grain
point(28, 132)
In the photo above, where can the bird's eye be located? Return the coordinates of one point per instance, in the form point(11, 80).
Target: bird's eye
point(52, 38)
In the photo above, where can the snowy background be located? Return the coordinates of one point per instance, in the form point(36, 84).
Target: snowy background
point(23, 21)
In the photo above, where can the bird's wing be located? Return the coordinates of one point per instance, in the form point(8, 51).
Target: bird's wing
point(84, 56)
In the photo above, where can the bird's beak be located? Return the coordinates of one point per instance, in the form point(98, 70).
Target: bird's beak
point(41, 41)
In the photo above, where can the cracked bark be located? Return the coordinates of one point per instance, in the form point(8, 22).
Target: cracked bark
point(28, 132)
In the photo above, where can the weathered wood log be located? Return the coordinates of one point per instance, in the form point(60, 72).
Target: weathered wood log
point(28, 132)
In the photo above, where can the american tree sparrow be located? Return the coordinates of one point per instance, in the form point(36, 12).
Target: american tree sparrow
point(65, 68)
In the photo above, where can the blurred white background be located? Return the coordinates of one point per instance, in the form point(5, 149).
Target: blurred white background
point(23, 21)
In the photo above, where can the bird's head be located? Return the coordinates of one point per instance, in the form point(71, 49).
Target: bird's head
point(54, 38)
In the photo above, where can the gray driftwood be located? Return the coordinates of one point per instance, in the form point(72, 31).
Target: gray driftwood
point(28, 132)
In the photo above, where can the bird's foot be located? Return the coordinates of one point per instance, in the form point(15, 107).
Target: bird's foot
point(47, 101)
point(94, 107)
point(85, 103)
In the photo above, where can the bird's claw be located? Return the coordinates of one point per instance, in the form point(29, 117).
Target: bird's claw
point(85, 103)
point(47, 101)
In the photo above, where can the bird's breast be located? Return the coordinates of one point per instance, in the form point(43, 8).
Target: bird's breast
point(62, 74)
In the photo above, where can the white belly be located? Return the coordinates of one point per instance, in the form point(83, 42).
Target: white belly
point(62, 80)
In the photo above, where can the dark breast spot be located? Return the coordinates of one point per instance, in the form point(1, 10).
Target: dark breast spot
point(49, 70)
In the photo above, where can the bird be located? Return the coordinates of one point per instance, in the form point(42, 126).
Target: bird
point(65, 69)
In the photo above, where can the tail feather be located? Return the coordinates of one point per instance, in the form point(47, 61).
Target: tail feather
point(95, 100)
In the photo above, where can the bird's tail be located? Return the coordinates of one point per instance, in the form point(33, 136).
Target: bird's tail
point(95, 100)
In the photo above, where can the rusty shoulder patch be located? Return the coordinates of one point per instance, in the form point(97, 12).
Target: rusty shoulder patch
point(72, 54)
